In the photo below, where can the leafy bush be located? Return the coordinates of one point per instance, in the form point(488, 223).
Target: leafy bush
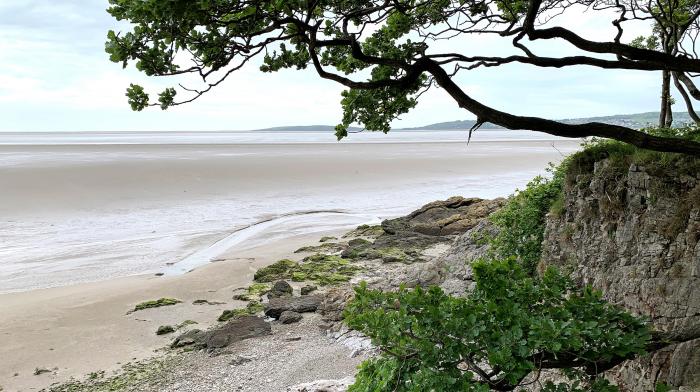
point(510, 325)
point(522, 220)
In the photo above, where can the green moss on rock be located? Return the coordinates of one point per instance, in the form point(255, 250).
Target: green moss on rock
point(251, 309)
point(323, 269)
point(278, 271)
point(253, 292)
point(165, 329)
point(156, 303)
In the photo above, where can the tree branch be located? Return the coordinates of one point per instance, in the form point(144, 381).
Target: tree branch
point(509, 121)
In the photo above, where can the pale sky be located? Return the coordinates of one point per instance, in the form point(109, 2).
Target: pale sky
point(55, 76)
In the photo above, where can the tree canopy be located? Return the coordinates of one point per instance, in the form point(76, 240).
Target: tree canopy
point(382, 50)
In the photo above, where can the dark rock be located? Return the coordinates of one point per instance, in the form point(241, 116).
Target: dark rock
point(280, 289)
point(293, 339)
point(289, 317)
point(307, 303)
point(165, 329)
point(308, 289)
point(241, 328)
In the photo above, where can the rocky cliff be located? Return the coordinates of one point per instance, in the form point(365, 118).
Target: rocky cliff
point(633, 232)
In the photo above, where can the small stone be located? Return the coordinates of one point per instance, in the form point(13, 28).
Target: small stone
point(239, 360)
point(308, 289)
point(165, 329)
point(289, 317)
point(293, 339)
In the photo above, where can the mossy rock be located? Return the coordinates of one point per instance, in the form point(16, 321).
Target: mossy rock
point(369, 231)
point(254, 292)
point(156, 303)
point(328, 247)
point(165, 329)
point(323, 269)
point(251, 309)
point(278, 271)
point(186, 323)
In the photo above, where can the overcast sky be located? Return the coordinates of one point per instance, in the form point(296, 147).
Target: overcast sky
point(55, 76)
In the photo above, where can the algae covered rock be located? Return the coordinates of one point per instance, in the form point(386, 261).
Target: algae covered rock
point(165, 329)
point(277, 271)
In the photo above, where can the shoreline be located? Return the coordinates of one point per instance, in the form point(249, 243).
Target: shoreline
point(57, 328)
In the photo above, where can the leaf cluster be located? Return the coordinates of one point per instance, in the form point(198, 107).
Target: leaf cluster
point(509, 326)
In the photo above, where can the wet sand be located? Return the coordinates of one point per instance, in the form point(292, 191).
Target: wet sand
point(99, 221)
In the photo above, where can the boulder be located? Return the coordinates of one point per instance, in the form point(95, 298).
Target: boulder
point(306, 303)
point(289, 317)
point(237, 329)
point(333, 304)
point(280, 289)
point(240, 328)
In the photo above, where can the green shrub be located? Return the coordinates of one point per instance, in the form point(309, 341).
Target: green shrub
point(521, 221)
point(511, 322)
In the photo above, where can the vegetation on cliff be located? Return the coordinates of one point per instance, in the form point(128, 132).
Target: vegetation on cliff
point(520, 319)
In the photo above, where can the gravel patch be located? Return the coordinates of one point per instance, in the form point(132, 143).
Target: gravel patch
point(293, 354)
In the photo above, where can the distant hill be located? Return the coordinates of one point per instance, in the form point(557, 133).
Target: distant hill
point(636, 121)
point(306, 128)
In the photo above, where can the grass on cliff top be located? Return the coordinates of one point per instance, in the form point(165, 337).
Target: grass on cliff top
point(623, 155)
point(320, 268)
point(156, 303)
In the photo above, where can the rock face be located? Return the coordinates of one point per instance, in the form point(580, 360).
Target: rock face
point(456, 262)
point(452, 216)
point(307, 303)
point(633, 232)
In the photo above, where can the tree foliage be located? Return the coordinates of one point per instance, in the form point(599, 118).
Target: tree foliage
point(383, 51)
point(511, 325)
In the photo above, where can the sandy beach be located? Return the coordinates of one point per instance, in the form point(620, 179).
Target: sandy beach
point(87, 227)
